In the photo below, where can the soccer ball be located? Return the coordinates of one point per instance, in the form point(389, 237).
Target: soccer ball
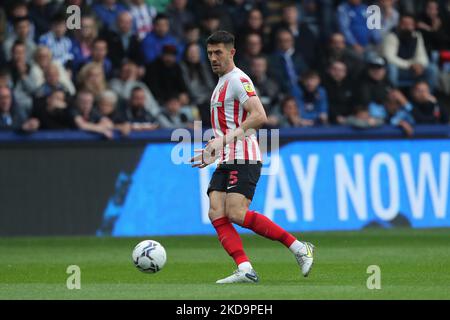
point(149, 256)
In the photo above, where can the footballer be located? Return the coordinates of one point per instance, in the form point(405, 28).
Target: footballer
point(236, 114)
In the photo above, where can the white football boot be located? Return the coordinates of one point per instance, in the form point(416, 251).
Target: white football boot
point(305, 258)
point(240, 276)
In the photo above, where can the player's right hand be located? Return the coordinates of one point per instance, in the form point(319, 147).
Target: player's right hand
point(204, 157)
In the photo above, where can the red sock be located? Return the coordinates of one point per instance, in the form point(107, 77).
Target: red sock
point(230, 240)
point(263, 226)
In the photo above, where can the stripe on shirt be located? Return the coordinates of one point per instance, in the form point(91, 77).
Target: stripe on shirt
point(221, 113)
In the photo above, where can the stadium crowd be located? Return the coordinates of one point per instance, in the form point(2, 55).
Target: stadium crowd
point(142, 64)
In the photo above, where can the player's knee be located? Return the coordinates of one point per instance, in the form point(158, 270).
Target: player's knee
point(236, 214)
point(215, 213)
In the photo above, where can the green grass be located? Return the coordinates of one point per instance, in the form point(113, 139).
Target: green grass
point(415, 264)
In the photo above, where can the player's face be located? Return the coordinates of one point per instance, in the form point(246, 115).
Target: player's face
point(220, 57)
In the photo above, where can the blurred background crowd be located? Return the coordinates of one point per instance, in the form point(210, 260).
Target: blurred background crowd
point(142, 64)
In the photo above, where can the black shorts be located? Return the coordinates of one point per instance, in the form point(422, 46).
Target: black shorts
point(236, 178)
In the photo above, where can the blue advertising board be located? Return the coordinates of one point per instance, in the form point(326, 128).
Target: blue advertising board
point(307, 186)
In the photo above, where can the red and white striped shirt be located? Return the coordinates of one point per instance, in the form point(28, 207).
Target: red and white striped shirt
point(228, 113)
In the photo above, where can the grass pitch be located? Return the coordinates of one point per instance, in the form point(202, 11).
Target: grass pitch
point(415, 264)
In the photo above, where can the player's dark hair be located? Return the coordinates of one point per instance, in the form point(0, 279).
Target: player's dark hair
point(221, 36)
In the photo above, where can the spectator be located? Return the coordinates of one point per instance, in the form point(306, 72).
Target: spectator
point(179, 17)
point(52, 113)
point(286, 64)
point(122, 43)
point(337, 50)
point(57, 41)
point(91, 78)
point(291, 115)
point(314, 14)
point(165, 78)
point(19, 10)
point(24, 80)
point(52, 82)
point(83, 41)
point(362, 119)
point(107, 11)
point(137, 114)
point(5, 78)
point(87, 118)
point(254, 23)
point(374, 84)
point(267, 89)
point(389, 16)
point(351, 16)
point(253, 48)
point(40, 11)
point(176, 116)
point(3, 24)
point(340, 90)
point(42, 61)
point(434, 28)
point(237, 10)
point(396, 110)
point(11, 118)
point(209, 23)
point(154, 41)
point(199, 81)
point(21, 33)
point(216, 8)
point(426, 108)
point(191, 35)
point(405, 51)
point(107, 105)
point(127, 80)
point(311, 98)
point(99, 55)
point(143, 15)
point(305, 40)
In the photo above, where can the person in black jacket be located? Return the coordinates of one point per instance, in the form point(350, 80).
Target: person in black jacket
point(340, 90)
point(374, 84)
point(53, 112)
point(165, 78)
point(305, 40)
point(122, 42)
point(426, 108)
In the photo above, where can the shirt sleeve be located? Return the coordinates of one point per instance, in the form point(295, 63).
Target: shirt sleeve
point(242, 89)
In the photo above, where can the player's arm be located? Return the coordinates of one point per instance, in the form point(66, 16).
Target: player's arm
point(256, 119)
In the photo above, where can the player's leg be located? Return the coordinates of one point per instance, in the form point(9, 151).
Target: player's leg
point(230, 240)
point(227, 234)
point(236, 209)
